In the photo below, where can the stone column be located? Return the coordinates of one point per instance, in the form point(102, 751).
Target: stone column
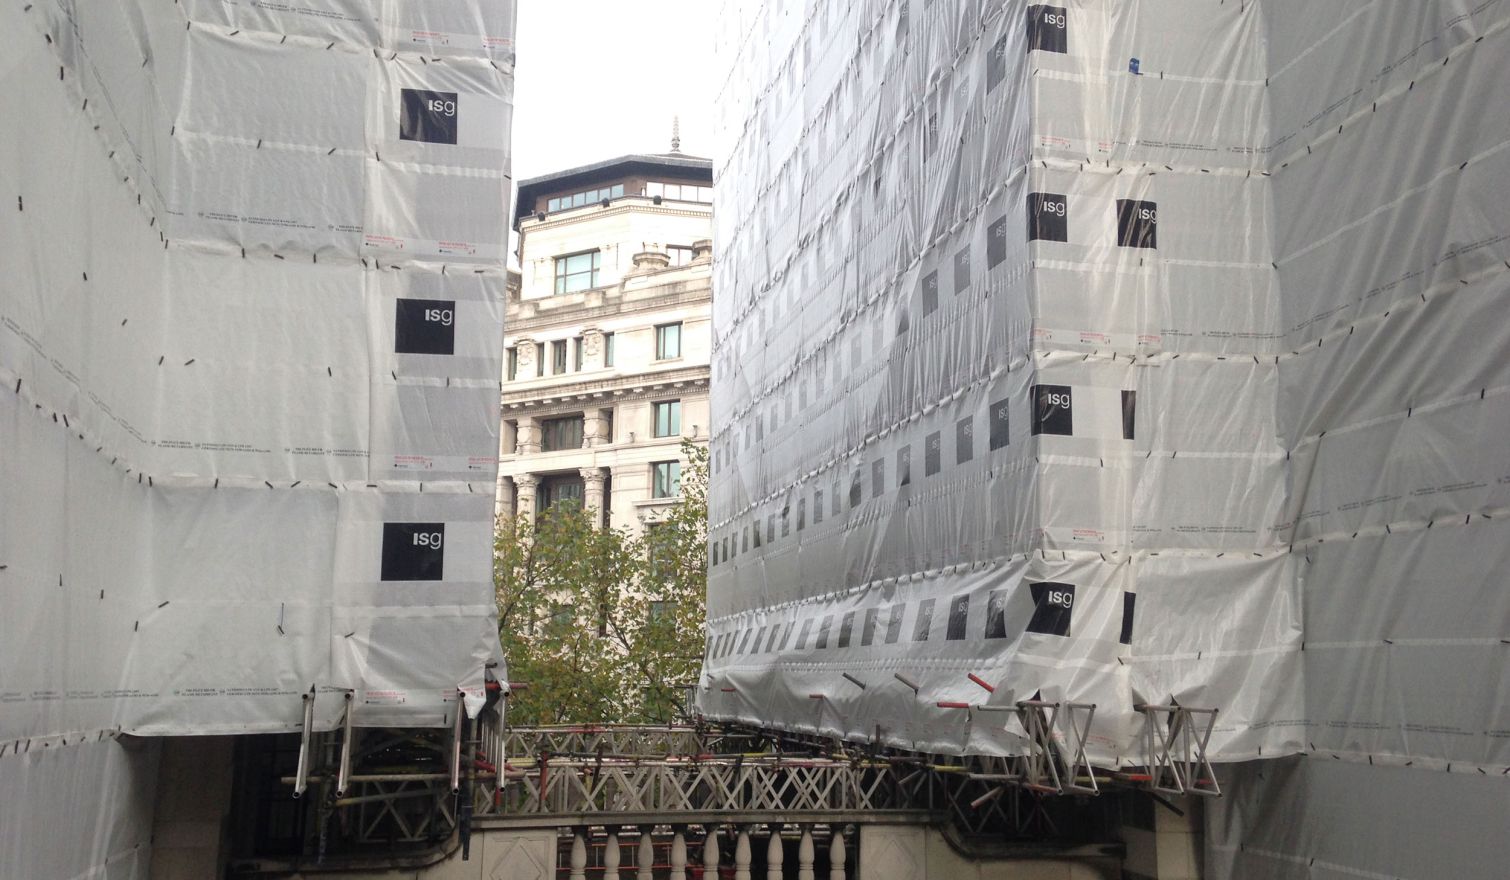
point(836, 856)
point(505, 497)
point(527, 436)
point(595, 429)
point(592, 488)
point(526, 484)
point(806, 855)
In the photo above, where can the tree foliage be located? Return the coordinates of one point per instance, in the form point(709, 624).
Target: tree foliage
point(603, 626)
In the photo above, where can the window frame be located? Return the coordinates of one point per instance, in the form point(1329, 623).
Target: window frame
point(586, 197)
point(608, 349)
point(660, 341)
point(561, 272)
point(673, 412)
point(558, 357)
point(513, 363)
point(671, 484)
point(546, 432)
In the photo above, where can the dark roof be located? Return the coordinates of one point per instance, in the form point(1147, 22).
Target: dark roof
point(583, 177)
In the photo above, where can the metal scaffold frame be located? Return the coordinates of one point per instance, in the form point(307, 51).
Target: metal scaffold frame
point(446, 780)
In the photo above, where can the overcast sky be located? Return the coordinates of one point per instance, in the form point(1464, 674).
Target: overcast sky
point(598, 79)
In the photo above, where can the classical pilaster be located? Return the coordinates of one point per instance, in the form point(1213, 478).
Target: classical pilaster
point(526, 484)
point(592, 488)
point(505, 497)
point(527, 436)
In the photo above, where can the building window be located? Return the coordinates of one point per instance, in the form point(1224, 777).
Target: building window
point(513, 362)
point(661, 610)
point(576, 272)
point(558, 357)
point(668, 341)
point(562, 433)
point(682, 192)
point(587, 197)
point(554, 490)
point(666, 479)
point(680, 254)
point(578, 363)
point(539, 359)
point(668, 418)
point(607, 349)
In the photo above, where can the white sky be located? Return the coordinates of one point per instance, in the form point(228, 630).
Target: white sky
point(597, 79)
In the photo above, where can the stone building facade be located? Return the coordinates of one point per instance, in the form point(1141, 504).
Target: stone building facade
point(608, 337)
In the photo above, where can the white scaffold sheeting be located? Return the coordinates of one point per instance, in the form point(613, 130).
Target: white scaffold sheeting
point(1115, 352)
point(251, 300)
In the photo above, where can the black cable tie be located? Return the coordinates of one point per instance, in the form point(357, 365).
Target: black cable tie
point(269, 485)
point(329, 373)
point(259, 144)
point(295, 483)
point(189, 361)
point(20, 203)
point(333, 486)
point(164, 605)
point(329, 45)
point(160, 360)
point(217, 483)
point(136, 626)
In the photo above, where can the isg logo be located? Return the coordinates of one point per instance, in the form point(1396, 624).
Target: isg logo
point(424, 326)
point(1137, 223)
point(1048, 29)
point(427, 116)
point(1052, 605)
point(413, 551)
point(1048, 217)
point(1053, 410)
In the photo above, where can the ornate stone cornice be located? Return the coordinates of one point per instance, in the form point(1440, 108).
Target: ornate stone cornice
point(638, 386)
point(616, 302)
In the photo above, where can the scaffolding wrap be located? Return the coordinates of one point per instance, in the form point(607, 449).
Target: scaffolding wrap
point(1116, 353)
point(250, 344)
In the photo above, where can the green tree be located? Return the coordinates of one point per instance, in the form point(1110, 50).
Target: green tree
point(602, 626)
